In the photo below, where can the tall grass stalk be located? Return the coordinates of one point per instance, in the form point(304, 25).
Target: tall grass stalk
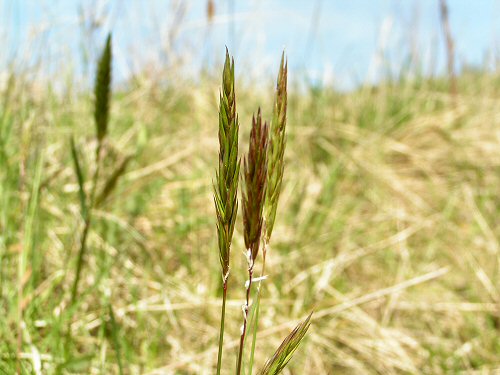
point(226, 184)
point(254, 192)
point(24, 270)
point(276, 149)
point(101, 116)
point(275, 170)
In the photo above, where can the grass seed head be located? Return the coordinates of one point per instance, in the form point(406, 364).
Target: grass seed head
point(102, 91)
point(276, 148)
point(226, 184)
point(255, 177)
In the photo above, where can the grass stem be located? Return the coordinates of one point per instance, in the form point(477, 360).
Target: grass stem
point(87, 224)
point(257, 308)
point(221, 334)
point(245, 318)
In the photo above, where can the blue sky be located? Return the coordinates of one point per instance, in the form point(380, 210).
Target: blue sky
point(339, 42)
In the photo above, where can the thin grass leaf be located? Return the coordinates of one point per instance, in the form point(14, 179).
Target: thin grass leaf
point(111, 182)
point(285, 351)
point(80, 177)
point(115, 339)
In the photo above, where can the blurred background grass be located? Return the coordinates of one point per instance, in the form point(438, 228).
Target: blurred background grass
point(388, 221)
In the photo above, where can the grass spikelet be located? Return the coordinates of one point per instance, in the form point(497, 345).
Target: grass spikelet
point(226, 184)
point(276, 148)
point(255, 177)
point(285, 351)
point(102, 89)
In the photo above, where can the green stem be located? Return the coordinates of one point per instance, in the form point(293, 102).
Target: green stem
point(86, 228)
point(257, 310)
point(221, 335)
point(245, 320)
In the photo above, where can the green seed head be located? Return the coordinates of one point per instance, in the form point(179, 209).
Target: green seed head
point(276, 149)
point(226, 184)
point(102, 91)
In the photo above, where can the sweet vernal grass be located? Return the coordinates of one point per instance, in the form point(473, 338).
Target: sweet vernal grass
point(96, 197)
point(253, 196)
point(226, 182)
point(276, 149)
point(275, 172)
point(102, 91)
point(262, 178)
point(276, 166)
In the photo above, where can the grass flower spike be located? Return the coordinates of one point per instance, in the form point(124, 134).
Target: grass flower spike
point(276, 148)
point(226, 184)
point(255, 179)
point(102, 91)
point(275, 169)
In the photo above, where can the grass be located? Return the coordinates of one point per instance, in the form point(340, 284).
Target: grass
point(226, 184)
point(387, 227)
point(258, 185)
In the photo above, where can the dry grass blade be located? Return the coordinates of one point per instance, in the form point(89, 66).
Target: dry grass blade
point(276, 148)
point(284, 353)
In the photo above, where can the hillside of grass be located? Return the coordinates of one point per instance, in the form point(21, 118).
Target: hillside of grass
point(387, 228)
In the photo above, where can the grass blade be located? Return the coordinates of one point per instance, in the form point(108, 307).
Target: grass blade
point(284, 353)
point(110, 184)
point(80, 177)
point(115, 339)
